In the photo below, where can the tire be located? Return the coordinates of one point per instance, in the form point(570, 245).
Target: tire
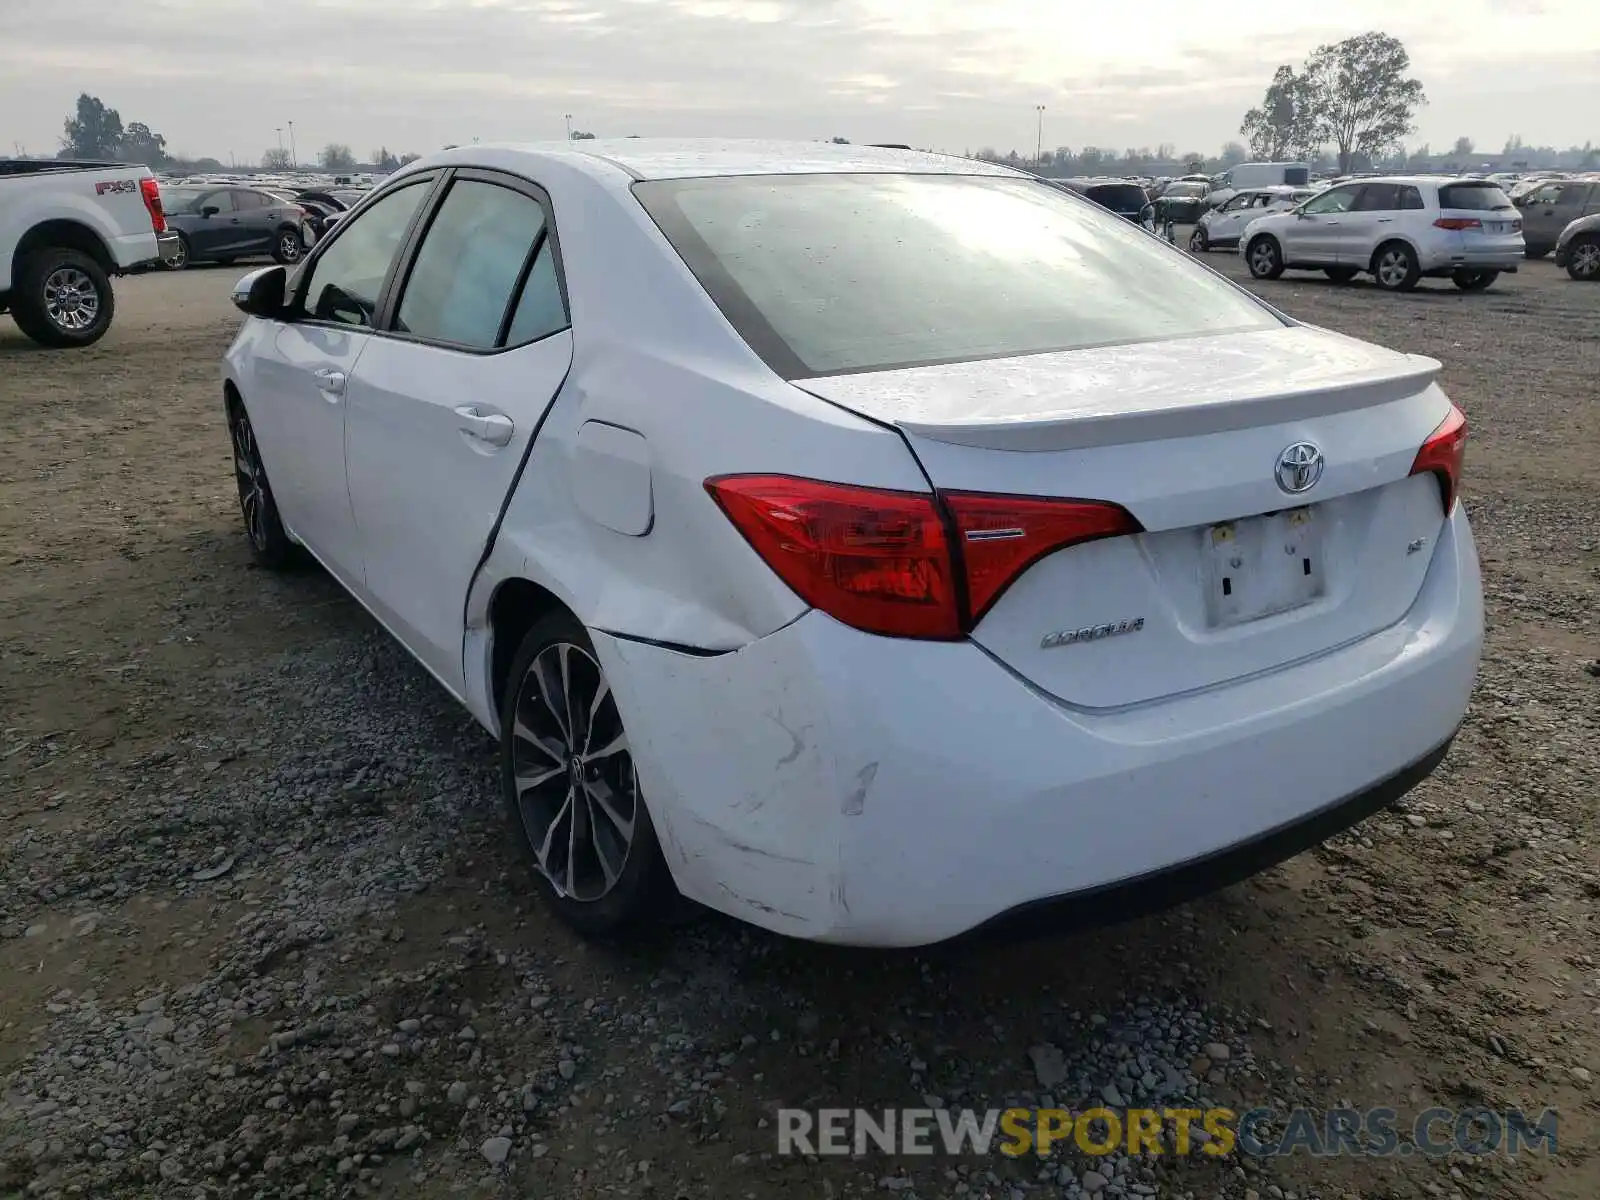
point(1198, 242)
point(180, 260)
point(1474, 281)
point(1395, 267)
point(1265, 257)
point(63, 298)
point(1535, 251)
point(1341, 274)
point(289, 248)
point(1583, 259)
point(611, 880)
point(263, 528)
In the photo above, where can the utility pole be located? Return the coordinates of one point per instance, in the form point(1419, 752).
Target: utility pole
point(280, 137)
point(294, 154)
point(569, 126)
point(1038, 144)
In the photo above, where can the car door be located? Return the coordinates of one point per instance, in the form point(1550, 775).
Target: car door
point(443, 408)
point(213, 233)
point(299, 416)
point(1228, 222)
point(1373, 218)
point(1312, 237)
point(256, 212)
point(1550, 209)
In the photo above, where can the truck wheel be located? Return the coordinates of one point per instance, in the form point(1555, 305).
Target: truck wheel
point(180, 257)
point(63, 298)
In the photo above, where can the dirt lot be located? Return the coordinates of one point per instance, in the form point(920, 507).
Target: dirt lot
point(262, 934)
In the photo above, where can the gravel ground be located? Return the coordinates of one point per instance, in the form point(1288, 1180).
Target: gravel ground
point(262, 932)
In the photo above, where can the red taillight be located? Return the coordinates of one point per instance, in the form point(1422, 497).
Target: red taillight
point(1458, 223)
point(151, 191)
point(1002, 536)
point(882, 561)
point(1443, 454)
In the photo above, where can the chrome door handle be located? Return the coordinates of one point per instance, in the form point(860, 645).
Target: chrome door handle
point(329, 381)
point(1385, 220)
point(494, 428)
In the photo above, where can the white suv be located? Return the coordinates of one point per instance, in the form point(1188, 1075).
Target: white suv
point(1220, 228)
point(1399, 229)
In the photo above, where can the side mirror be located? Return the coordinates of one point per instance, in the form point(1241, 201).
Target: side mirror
point(261, 293)
point(210, 210)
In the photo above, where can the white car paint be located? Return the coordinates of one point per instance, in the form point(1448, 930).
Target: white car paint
point(102, 201)
point(1344, 227)
point(842, 785)
point(1220, 228)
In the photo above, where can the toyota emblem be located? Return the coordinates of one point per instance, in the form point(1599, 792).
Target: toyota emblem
point(1299, 468)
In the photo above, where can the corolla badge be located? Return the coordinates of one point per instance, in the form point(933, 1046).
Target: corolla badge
point(1090, 633)
point(1299, 468)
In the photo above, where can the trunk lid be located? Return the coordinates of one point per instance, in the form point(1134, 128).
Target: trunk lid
point(1233, 575)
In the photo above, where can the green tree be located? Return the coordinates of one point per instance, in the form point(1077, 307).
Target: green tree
point(140, 145)
point(1463, 148)
point(384, 159)
point(277, 159)
point(1284, 124)
point(1233, 153)
point(409, 158)
point(94, 131)
point(336, 156)
point(1361, 95)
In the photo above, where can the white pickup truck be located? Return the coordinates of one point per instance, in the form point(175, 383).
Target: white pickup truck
point(65, 229)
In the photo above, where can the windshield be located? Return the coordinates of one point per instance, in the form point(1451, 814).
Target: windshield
point(1475, 197)
point(829, 274)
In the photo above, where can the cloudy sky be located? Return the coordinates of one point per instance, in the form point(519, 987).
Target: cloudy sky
point(218, 76)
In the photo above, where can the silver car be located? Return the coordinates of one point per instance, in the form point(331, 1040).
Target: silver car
point(1399, 229)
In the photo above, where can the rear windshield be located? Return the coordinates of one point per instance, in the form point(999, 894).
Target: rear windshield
point(830, 274)
point(175, 198)
point(1476, 197)
point(1123, 197)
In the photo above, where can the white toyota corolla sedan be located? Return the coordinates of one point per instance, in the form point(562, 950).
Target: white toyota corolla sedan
point(868, 544)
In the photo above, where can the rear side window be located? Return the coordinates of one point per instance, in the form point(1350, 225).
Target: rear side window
point(245, 201)
point(1297, 176)
point(468, 266)
point(347, 277)
point(1377, 197)
point(1474, 197)
point(541, 310)
point(828, 274)
point(1410, 198)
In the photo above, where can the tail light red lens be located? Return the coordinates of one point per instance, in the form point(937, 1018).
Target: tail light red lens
point(1000, 537)
point(1444, 453)
point(874, 559)
point(885, 562)
point(1458, 223)
point(151, 191)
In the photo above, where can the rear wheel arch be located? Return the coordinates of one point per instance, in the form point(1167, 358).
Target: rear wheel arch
point(1377, 252)
point(73, 235)
point(516, 605)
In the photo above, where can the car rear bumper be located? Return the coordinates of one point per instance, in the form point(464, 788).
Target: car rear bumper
point(1456, 253)
point(838, 786)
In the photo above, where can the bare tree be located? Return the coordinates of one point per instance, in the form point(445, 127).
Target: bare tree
point(1361, 95)
point(277, 159)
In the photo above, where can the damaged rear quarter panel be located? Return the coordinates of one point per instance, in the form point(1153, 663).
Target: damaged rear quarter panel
point(756, 833)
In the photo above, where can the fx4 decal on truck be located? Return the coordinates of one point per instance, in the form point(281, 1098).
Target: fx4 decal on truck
point(116, 186)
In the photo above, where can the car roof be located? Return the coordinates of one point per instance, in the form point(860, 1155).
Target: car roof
point(1423, 180)
point(691, 158)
